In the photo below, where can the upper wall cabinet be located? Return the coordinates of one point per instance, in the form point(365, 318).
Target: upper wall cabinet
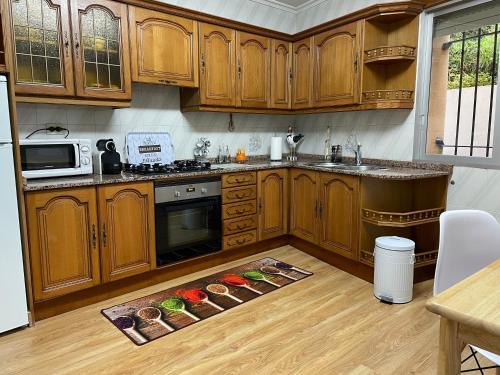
point(337, 66)
point(164, 48)
point(302, 77)
point(253, 54)
point(42, 47)
point(100, 31)
point(82, 51)
point(218, 65)
point(281, 74)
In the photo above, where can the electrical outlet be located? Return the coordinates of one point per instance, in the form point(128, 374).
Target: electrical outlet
point(55, 132)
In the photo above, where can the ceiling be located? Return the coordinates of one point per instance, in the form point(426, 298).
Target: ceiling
point(293, 3)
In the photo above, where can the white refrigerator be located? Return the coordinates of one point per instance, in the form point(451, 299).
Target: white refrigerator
point(14, 311)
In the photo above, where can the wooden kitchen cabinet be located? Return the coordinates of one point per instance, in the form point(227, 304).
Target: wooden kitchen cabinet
point(253, 56)
point(163, 48)
point(281, 74)
point(62, 230)
point(302, 76)
point(339, 214)
point(40, 40)
point(337, 66)
point(304, 204)
point(101, 49)
point(127, 231)
point(272, 193)
point(217, 65)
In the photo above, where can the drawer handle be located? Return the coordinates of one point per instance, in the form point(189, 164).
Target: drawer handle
point(240, 211)
point(241, 241)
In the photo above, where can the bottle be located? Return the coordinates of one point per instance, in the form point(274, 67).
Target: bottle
point(228, 155)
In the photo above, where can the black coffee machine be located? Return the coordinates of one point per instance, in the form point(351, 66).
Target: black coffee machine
point(107, 160)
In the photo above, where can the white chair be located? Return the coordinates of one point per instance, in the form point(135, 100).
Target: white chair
point(469, 240)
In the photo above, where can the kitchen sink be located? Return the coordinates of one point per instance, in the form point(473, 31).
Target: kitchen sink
point(348, 167)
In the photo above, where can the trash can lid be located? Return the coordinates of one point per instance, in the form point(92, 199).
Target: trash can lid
point(395, 243)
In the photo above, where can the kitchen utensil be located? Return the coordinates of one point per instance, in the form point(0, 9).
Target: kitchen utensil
point(257, 276)
point(275, 271)
point(177, 305)
point(197, 296)
point(286, 266)
point(152, 314)
point(222, 290)
point(127, 324)
point(235, 280)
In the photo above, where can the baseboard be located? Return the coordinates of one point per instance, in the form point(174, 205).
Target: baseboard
point(56, 306)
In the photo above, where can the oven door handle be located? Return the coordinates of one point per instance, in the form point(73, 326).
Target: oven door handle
point(77, 155)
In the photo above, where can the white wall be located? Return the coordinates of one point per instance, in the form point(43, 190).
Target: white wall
point(155, 108)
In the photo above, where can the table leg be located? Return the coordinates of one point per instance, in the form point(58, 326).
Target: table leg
point(449, 361)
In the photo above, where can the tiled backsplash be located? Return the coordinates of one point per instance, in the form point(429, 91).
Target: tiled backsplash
point(383, 134)
point(156, 108)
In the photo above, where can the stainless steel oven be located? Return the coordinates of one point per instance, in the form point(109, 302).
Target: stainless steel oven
point(188, 219)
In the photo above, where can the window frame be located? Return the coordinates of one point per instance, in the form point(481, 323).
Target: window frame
point(424, 62)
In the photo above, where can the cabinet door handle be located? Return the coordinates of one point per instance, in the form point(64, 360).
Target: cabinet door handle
point(77, 45)
point(291, 74)
point(104, 235)
point(94, 237)
point(66, 43)
point(320, 210)
point(356, 62)
point(202, 63)
point(316, 209)
point(239, 69)
point(260, 205)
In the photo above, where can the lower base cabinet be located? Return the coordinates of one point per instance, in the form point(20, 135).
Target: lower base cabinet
point(63, 241)
point(324, 210)
point(81, 237)
point(272, 193)
point(126, 219)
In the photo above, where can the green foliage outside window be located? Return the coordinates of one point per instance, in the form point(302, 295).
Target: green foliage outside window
point(470, 56)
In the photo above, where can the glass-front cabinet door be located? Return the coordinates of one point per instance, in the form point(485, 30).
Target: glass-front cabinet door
point(42, 47)
point(100, 37)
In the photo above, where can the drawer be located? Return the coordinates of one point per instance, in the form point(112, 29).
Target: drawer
point(235, 210)
point(238, 194)
point(239, 179)
point(240, 239)
point(242, 224)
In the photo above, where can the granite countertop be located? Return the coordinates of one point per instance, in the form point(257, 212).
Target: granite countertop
point(395, 170)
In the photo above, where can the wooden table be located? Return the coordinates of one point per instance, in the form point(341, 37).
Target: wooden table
point(470, 314)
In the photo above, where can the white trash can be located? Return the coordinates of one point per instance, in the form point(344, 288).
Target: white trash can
point(394, 263)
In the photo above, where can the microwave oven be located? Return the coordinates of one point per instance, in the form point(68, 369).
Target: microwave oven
point(41, 158)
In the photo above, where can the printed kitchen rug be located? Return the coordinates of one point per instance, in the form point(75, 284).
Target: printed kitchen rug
point(149, 318)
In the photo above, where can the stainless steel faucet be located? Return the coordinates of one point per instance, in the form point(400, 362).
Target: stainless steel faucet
point(357, 154)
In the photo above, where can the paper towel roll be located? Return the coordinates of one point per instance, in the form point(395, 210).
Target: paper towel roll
point(276, 153)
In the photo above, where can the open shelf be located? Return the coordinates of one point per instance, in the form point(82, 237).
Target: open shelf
point(422, 259)
point(401, 219)
point(389, 54)
point(387, 95)
point(389, 60)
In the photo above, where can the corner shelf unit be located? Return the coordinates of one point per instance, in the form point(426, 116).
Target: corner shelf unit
point(401, 219)
point(389, 58)
point(405, 208)
point(422, 259)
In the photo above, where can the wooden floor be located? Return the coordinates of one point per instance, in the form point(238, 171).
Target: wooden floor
point(329, 323)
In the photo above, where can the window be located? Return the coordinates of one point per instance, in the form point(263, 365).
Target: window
point(457, 89)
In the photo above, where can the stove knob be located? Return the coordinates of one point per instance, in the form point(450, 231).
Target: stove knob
point(85, 160)
point(204, 190)
point(177, 194)
point(85, 149)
